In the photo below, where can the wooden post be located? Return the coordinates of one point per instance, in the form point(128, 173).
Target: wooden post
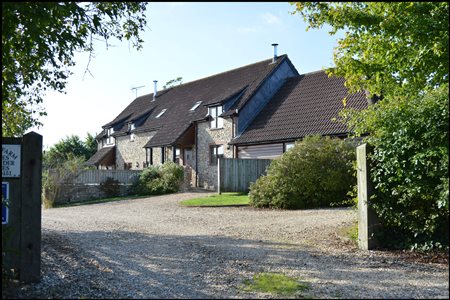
point(30, 265)
point(218, 176)
point(368, 222)
point(24, 223)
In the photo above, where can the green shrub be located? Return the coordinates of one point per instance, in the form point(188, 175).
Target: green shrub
point(316, 172)
point(410, 167)
point(409, 135)
point(53, 178)
point(110, 187)
point(161, 179)
point(172, 176)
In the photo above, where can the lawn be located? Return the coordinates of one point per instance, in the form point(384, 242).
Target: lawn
point(225, 199)
point(276, 283)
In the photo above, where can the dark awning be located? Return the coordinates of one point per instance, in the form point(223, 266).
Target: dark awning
point(104, 156)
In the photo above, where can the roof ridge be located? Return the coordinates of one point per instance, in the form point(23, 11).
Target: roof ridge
point(210, 76)
point(314, 72)
point(232, 70)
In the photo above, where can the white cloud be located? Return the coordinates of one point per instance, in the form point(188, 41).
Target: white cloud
point(270, 18)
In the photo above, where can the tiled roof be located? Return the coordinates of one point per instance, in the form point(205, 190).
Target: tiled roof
point(179, 100)
point(99, 156)
point(306, 105)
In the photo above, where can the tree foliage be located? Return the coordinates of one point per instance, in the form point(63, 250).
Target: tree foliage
point(399, 50)
point(90, 144)
point(38, 45)
point(173, 82)
point(410, 164)
point(388, 47)
point(68, 148)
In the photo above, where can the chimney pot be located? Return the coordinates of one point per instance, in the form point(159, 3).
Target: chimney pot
point(155, 90)
point(274, 52)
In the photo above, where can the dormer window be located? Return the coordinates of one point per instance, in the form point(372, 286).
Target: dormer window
point(131, 126)
point(161, 113)
point(197, 104)
point(215, 112)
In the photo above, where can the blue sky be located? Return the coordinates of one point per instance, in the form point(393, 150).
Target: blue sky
point(188, 40)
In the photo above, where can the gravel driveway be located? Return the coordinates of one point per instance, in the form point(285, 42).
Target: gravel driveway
point(154, 248)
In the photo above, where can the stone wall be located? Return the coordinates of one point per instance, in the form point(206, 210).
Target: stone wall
point(157, 155)
point(207, 173)
point(132, 151)
point(68, 193)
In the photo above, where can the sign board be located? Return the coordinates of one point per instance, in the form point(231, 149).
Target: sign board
point(5, 209)
point(11, 161)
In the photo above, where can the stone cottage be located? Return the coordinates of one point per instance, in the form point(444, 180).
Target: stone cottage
point(255, 111)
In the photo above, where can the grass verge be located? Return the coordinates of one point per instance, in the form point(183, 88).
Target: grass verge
point(350, 233)
point(225, 199)
point(276, 283)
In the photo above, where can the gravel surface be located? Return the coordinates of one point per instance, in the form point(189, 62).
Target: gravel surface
point(155, 248)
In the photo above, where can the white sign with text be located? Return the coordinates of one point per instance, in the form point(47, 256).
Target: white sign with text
point(11, 160)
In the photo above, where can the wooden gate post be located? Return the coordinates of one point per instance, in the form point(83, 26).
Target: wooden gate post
point(367, 219)
point(24, 210)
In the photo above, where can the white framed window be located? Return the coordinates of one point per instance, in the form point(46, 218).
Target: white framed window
point(131, 126)
point(177, 156)
point(132, 137)
point(161, 113)
point(110, 138)
point(215, 112)
point(197, 104)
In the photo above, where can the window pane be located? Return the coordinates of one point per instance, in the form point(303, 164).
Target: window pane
point(197, 104)
point(161, 113)
point(213, 155)
point(213, 112)
point(289, 146)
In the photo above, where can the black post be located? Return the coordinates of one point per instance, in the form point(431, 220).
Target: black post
point(31, 207)
point(22, 180)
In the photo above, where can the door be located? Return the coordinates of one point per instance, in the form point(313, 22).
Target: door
point(187, 158)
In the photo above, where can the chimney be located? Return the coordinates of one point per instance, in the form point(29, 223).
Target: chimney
point(274, 53)
point(155, 91)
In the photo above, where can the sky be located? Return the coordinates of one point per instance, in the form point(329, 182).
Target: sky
point(191, 40)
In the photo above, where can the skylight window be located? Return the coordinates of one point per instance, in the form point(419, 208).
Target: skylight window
point(161, 113)
point(197, 104)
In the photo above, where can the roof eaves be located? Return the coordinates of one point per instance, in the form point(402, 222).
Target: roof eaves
point(114, 122)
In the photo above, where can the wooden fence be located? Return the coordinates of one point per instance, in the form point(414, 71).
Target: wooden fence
point(98, 176)
point(235, 175)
